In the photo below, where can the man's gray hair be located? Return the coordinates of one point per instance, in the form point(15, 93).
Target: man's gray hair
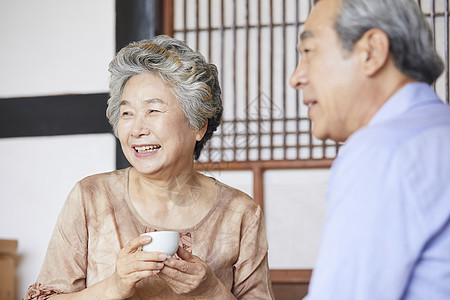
point(410, 38)
point(194, 82)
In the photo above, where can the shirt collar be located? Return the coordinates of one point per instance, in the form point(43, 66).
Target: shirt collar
point(409, 96)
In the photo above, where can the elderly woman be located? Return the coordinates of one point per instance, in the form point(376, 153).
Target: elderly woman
point(165, 104)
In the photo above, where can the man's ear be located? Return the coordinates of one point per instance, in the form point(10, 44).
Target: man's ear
point(201, 132)
point(374, 50)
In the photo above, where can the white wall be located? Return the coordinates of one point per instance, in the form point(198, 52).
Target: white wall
point(49, 47)
point(36, 176)
point(295, 210)
point(55, 47)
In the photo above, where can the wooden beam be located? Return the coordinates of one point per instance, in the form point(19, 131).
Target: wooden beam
point(168, 17)
point(264, 165)
point(54, 115)
point(291, 276)
point(258, 185)
point(135, 20)
point(258, 168)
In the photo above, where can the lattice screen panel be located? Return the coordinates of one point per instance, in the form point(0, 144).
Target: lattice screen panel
point(253, 43)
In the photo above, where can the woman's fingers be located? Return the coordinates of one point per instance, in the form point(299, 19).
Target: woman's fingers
point(130, 261)
point(182, 285)
point(133, 265)
point(182, 266)
point(149, 256)
point(140, 261)
point(184, 254)
point(139, 266)
point(192, 277)
point(135, 243)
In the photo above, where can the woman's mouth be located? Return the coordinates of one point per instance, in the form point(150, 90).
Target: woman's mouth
point(146, 148)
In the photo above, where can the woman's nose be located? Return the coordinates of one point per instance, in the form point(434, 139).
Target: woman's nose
point(298, 78)
point(140, 127)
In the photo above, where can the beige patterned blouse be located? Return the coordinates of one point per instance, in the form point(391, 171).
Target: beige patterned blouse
point(98, 219)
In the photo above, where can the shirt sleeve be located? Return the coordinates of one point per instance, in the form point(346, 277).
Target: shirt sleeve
point(65, 263)
point(251, 271)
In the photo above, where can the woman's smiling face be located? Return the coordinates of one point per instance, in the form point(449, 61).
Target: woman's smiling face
point(154, 133)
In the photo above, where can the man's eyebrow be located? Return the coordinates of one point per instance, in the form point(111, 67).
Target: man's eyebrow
point(306, 34)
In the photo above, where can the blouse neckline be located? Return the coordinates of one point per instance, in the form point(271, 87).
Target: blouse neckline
point(160, 228)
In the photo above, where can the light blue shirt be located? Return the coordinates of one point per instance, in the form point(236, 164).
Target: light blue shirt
point(387, 231)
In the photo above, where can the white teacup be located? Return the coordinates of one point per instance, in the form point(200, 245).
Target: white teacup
point(162, 241)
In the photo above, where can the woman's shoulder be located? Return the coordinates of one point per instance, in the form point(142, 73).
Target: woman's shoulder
point(233, 197)
point(106, 178)
point(235, 208)
point(99, 190)
point(96, 188)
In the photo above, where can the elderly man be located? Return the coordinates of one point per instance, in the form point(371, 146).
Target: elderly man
point(365, 72)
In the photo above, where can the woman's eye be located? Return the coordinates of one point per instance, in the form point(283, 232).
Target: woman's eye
point(125, 113)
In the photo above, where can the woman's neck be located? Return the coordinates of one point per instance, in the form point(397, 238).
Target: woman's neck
point(179, 202)
point(180, 189)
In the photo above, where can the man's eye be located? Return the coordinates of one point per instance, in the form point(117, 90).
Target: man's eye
point(125, 113)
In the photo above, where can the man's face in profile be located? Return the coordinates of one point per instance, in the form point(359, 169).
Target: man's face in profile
point(328, 75)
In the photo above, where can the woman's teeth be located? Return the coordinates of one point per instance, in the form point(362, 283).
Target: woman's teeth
point(145, 149)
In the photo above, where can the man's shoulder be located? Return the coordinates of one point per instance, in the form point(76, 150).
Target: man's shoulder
point(421, 121)
point(420, 135)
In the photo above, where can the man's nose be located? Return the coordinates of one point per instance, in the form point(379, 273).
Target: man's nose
point(298, 78)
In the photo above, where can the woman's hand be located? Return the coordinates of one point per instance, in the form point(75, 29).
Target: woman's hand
point(133, 265)
point(192, 276)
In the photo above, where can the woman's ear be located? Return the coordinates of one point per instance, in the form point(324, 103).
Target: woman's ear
point(374, 50)
point(201, 133)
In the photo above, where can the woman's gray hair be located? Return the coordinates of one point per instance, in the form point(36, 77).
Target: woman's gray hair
point(194, 82)
point(410, 38)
